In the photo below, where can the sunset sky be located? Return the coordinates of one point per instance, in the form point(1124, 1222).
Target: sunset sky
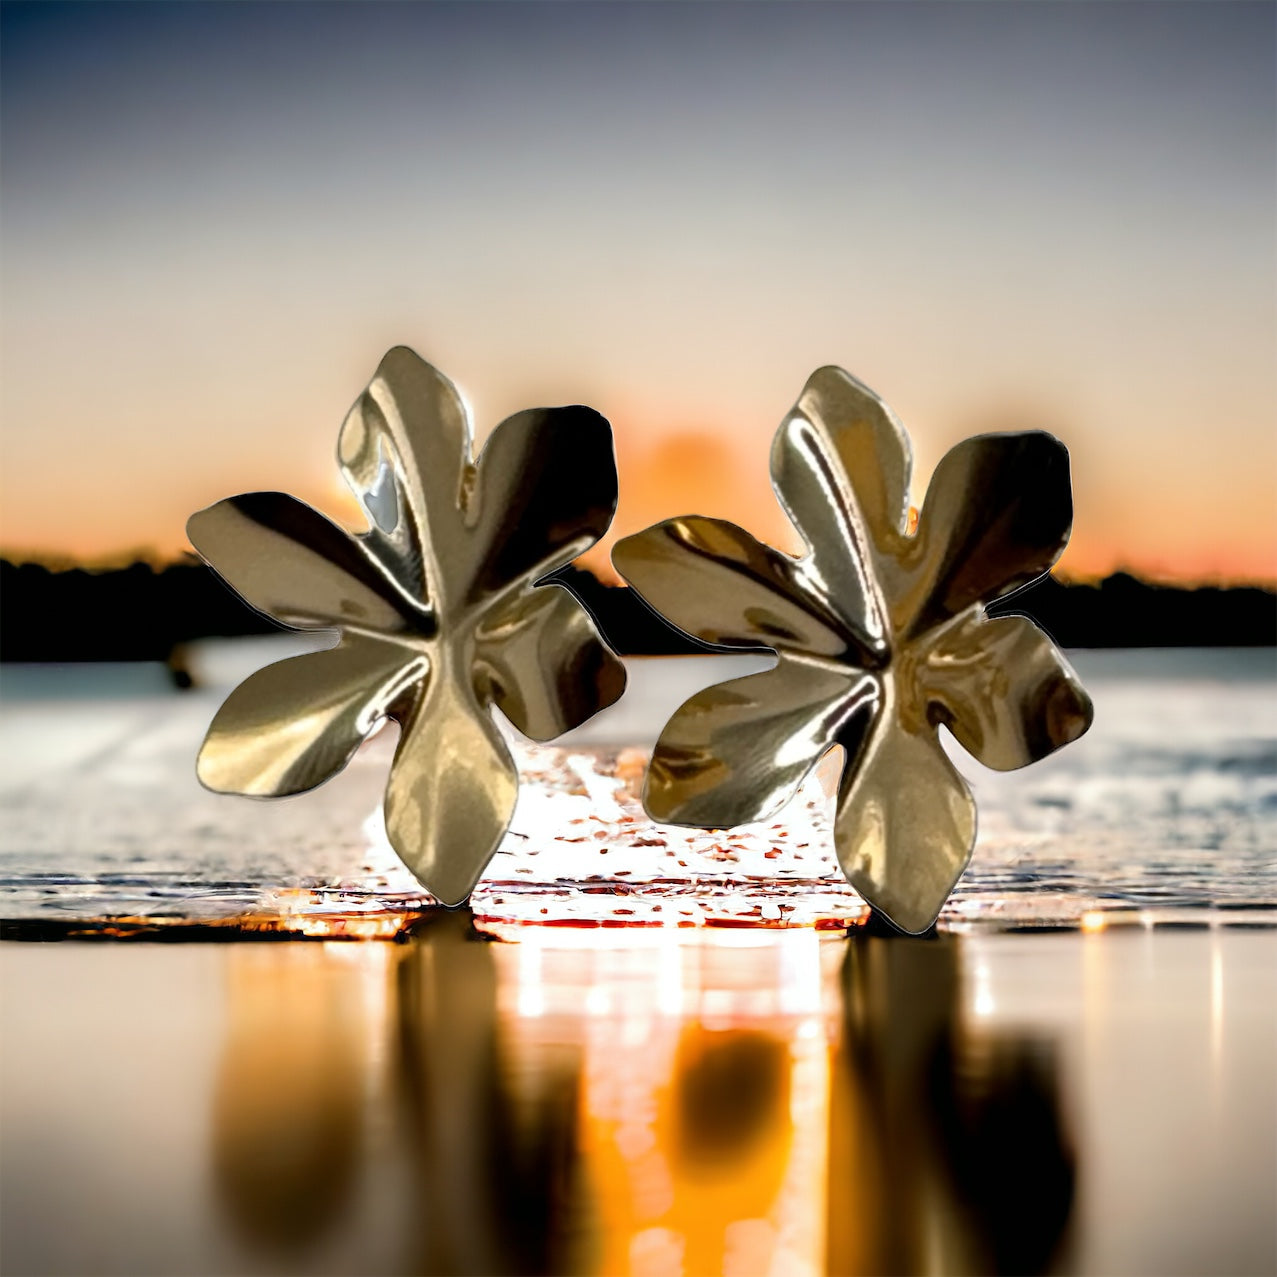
point(215, 218)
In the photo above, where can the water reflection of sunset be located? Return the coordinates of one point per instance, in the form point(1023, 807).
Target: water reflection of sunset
point(643, 1102)
point(630, 1102)
point(704, 1095)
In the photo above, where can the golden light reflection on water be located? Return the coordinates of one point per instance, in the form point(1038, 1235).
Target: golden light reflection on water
point(286, 1108)
point(644, 1103)
point(704, 1085)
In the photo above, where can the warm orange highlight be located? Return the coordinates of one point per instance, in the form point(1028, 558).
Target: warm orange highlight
point(709, 469)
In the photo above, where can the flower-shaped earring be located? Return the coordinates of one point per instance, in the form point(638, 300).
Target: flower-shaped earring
point(881, 637)
point(438, 609)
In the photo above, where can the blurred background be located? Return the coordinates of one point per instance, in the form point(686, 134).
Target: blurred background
point(217, 217)
point(214, 219)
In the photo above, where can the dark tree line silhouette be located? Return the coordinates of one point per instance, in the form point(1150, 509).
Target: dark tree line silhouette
point(141, 613)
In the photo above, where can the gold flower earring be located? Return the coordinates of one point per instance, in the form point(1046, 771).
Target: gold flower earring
point(441, 607)
point(881, 638)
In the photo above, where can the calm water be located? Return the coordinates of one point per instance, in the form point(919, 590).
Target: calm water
point(1167, 809)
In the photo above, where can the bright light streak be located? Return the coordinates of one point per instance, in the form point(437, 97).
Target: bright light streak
point(531, 1000)
point(984, 1003)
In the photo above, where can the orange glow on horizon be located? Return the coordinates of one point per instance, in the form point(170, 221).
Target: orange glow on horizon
point(703, 469)
point(192, 305)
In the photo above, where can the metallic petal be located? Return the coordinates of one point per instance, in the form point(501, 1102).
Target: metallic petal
point(997, 515)
point(292, 725)
point(1003, 689)
point(737, 751)
point(545, 491)
point(452, 787)
point(289, 561)
point(445, 582)
point(883, 607)
point(906, 822)
point(541, 661)
point(404, 449)
point(720, 585)
point(840, 464)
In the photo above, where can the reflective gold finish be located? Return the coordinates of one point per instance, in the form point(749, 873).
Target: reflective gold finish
point(881, 637)
point(438, 610)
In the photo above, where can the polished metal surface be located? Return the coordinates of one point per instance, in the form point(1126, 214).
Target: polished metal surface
point(437, 609)
point(881, 637)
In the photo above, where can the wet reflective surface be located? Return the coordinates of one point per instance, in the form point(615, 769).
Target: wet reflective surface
point(643, 1101)
point(1164, 813)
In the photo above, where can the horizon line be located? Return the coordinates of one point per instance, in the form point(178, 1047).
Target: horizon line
point(55, 562)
